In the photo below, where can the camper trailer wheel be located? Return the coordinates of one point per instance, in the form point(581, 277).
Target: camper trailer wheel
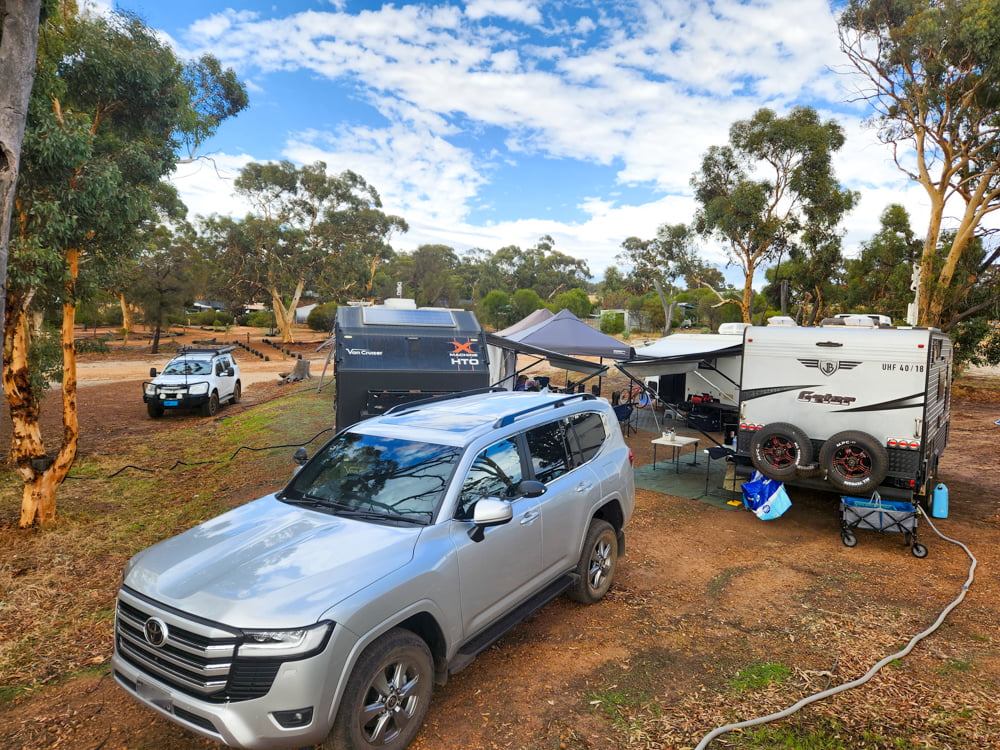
point(848, 538)
point(778, 449)
point(855, 462)
point(918, 550)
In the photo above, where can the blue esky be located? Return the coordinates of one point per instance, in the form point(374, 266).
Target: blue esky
point(493, 122)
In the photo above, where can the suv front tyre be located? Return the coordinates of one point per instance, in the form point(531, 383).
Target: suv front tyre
point(387, 696)
point(211, 407)
point(598, 562)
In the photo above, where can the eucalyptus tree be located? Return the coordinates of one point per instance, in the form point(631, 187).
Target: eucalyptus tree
point(931, 72)
point(773, 182)
point(107, 104)
point(657, 263)
point(304, 223)
point(880, 278)
point(18, 46)
point(541, 267)
point(434, 275)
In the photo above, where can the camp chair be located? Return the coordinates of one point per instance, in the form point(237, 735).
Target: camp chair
point(625, 412)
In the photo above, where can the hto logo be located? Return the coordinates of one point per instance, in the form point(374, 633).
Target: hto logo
point(463, 355)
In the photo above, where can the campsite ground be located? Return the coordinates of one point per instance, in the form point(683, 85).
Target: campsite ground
point(715, 617)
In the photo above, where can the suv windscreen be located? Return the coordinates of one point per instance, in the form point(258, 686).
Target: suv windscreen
point(377, 477)
point(188, 367)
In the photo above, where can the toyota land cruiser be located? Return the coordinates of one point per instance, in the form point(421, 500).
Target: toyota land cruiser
point(404, 547)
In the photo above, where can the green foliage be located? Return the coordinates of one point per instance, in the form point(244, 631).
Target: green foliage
point(45, 360)
point(612, 323)
point(495, 310)
point(759, 675)
point(524, 302)
point(92, 344)
point(772, 188)
point(575, 300)
point(260, 319)
point(322, 317)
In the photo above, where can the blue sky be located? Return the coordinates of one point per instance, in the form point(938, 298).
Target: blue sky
point(493, 122)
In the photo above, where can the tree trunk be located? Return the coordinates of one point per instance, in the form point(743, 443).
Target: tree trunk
point(128, 320)
point(41, 473)
point(285, 316)
point(299, 373)
point(18, 47)
point(668, 309)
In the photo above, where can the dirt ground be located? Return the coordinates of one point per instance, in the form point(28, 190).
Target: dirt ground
point(702, 594)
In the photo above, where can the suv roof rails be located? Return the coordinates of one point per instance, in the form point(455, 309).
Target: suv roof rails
point(205, 350)
point(511, 418)
point(400, 408)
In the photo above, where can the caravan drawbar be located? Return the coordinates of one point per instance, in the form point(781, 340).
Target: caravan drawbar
point(850, 406)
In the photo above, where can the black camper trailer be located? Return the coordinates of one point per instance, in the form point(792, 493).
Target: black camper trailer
point(388, 355)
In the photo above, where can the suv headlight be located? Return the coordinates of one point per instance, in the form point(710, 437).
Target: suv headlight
point(295, 643)
point(198, 389)
point(150, 389)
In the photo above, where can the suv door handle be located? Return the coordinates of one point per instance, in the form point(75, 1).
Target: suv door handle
point(584, 486)
point(528, 518)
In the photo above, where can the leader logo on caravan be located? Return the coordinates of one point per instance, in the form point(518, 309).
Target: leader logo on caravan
point(463, 355)
point(364, 353)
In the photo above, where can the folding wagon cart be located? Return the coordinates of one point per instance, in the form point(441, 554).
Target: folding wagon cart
point(880, 515)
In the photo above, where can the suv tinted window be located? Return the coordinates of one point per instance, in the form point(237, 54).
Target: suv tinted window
point(586, 436)
point(547, 447)
point(496, 472)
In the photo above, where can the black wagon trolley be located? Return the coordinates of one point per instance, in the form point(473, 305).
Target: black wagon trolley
point(880, 515)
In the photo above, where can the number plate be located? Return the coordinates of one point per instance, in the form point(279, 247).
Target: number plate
point(171, 403)
point(157, 696)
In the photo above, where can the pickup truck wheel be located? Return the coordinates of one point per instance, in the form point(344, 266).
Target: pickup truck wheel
point(237, 393)
point(154, 410)
point(387, 695)
point(598, 561)
point(211, 407)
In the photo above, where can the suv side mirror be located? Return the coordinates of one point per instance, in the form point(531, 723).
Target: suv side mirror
point(490, 511)
point(152, 372)
point(532, 488)
point(300, 456)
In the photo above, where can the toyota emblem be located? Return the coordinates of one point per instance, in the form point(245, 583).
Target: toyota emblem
point(155, 631)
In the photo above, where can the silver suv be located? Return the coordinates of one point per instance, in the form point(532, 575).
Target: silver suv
point(194, 379)
point(408, 544)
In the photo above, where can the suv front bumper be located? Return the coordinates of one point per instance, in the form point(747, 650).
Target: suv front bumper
point(302, 685)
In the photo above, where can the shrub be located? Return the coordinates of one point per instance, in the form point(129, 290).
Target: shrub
point(322, 317)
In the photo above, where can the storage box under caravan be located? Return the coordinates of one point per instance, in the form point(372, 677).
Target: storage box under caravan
point(393, 354)
point(852, 407)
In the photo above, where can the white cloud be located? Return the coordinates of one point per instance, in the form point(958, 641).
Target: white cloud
point(641, 88)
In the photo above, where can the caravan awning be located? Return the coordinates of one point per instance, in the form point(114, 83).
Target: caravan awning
point(680, 353)
point(559, 361)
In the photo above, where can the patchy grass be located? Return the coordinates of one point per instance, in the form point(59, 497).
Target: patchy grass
point(58, 584)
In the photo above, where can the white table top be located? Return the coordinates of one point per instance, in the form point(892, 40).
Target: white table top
point(678, 441)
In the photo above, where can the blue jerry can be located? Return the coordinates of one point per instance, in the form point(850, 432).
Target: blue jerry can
point(939, 503)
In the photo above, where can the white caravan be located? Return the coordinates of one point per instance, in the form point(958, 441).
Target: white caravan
point(849, 406)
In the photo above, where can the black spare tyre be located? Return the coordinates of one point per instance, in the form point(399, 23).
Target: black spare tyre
point(855, 462)
point(777, 450)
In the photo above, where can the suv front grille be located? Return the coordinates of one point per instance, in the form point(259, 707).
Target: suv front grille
point(197, 658)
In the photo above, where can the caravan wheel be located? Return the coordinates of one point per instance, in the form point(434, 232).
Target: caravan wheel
point(855, 462)
point(778, 450)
